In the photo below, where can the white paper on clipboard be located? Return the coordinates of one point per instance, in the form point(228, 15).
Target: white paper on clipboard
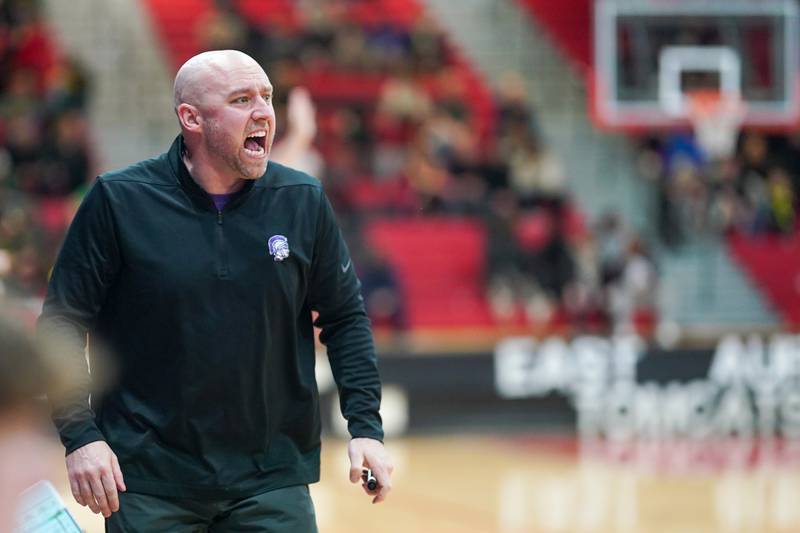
point(43, 511)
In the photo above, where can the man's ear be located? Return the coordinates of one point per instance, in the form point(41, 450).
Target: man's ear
point(189, 117)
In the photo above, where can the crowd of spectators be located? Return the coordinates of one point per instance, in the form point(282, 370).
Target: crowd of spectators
point(419, 147)
point(44, 156)
point(705, 187)
point(752, 191)
point(415, 145)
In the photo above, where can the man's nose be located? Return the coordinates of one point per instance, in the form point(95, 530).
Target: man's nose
point(262, 109)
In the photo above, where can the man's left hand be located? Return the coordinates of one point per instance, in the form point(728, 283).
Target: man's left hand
point(370, 453)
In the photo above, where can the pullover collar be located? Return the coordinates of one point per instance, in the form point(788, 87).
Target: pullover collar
point(196, 193)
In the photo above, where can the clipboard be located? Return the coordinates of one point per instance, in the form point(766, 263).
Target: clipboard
point(43, 511)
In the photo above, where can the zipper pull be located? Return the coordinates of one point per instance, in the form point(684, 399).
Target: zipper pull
point(219, 217)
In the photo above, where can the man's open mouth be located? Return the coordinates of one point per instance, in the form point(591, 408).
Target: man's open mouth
point(254, 143)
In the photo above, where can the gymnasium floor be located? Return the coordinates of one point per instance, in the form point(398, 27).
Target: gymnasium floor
point(482, 484)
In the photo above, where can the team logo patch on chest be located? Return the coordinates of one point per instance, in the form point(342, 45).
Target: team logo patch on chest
point(278, 247)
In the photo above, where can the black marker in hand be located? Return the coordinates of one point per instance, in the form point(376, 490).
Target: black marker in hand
point(369, 480)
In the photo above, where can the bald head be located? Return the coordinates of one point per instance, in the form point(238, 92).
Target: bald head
point(205, 71)
point(223, 100)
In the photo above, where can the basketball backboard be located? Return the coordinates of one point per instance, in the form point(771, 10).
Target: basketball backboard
point(649, 53)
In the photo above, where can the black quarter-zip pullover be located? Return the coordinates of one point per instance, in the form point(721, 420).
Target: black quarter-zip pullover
point(207, 321)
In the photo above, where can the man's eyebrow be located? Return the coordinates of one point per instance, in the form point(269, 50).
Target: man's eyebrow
point(246, 90)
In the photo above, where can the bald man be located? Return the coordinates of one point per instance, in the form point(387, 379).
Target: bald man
point(200, 269)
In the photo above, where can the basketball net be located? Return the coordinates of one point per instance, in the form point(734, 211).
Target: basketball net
point(716, 119)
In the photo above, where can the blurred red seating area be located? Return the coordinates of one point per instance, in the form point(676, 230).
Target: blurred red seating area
point(440, 267)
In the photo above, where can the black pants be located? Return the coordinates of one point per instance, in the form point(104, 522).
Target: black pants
point(287, 510)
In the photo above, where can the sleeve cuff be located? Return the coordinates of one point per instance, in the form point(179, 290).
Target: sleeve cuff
point(90, 434)
point(366, 431)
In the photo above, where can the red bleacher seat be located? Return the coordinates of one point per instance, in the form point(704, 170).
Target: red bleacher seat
point(402, 13)
point(440, 264)
point(175, 21)
point(367, 194)
point(773, 263)
point(569, 24)
point(343, 87)
point(262, 12)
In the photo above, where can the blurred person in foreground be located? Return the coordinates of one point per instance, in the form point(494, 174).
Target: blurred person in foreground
point(200, 269)
point(24, 375)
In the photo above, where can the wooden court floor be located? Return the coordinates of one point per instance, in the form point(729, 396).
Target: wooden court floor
point(485, 484)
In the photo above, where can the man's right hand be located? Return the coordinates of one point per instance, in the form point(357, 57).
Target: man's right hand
point(95, 477)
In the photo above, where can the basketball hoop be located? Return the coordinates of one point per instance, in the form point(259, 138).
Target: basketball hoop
point(716, 119)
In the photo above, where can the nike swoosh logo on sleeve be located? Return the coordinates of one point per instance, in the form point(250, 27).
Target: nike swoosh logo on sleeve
point(346, 265)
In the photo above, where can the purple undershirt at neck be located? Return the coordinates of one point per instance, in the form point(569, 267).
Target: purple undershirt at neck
point(221, 199)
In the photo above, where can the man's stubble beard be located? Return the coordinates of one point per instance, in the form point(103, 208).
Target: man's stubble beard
point(220, 144)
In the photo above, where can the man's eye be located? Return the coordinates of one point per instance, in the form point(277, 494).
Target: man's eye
point(242, 100)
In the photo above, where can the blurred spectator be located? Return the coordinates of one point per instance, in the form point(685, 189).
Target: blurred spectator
point(451, 94)
point(754, 155)
point(612, 241)
point(752, 191)
point(551, 264)
point(65, 156)
point(427, 46)
point(381, 290)
point(782, 201)
point(387, 46)
point(726, 210)
point(402, 106)
point(296, 148)
point(515, 119)
point(24, 376)
point(633, 295)
point(350, 49)
point(27, 275)
point(536, 175)
point(21, 95)
point(583, 298)
point(403, 101)
point(533, 270)
point(511, 287)
point(449, 140)
point(67, 88)
point(428, 178)
point(222, 30)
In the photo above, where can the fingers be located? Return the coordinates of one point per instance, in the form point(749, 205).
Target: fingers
point(117, 471)
point(110, 487)
point(95, 478)
point(97, 493)
point(383, 475)
point(75, 487)
point(87, 496)
point(371, 453)
point(100, 495)
point(356, 464)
